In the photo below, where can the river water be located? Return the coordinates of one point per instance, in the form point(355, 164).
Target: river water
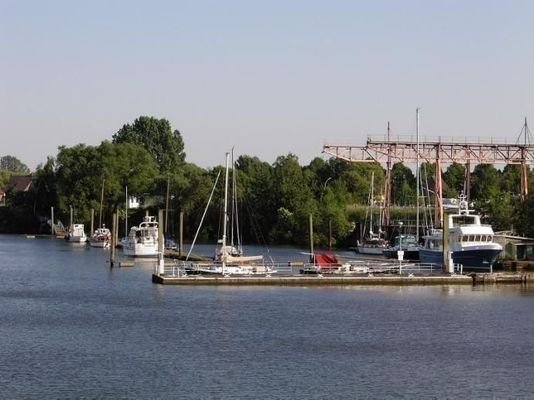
point(72, 327)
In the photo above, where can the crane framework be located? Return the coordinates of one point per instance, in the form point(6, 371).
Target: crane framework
point(387, 151)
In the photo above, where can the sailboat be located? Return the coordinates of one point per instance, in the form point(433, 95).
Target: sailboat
point(228, 260)
point(373, 243)
point(101, 237)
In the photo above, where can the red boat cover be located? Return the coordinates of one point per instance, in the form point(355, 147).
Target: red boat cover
point(326, 260)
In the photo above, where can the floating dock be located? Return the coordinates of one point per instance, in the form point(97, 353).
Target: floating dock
point(325, 280)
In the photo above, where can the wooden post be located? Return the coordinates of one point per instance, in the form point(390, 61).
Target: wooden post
point(447, 267)
point(92, 222)
point(181, 239)
point(329, 234)
point(52, 219)
point(161, 239)
point(311, 238)
point(113, 239)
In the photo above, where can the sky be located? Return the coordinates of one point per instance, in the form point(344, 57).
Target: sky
point(268, 78)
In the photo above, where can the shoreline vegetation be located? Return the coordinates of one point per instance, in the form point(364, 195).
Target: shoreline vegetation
point(274, 200)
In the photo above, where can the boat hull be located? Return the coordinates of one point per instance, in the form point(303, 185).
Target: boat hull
point(475, 259)
point(77, 239)
point(375, 251)
point(139, 249)
point(411, 255)
point(99, 243)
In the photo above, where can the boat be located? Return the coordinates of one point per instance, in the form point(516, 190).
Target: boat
point(101, 237)
point(373, 243)
point(76, 234)
point(471, 243)
point(405, 243)
point(142, 240)
point(229, 260)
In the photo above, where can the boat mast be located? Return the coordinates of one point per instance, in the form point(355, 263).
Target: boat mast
point(225, 214)
point(167, 205)
point(101, 202)
point(126, 212)
point(417, 176)
point(372, 203)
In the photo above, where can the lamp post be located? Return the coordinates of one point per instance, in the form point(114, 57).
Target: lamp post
point(400, 252)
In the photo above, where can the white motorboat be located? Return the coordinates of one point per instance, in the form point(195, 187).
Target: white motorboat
point(142, 240)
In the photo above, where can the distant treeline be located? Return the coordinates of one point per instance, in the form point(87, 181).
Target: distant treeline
point(274, 201)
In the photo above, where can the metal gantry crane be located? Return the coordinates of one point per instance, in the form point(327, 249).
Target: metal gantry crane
point(469, 152)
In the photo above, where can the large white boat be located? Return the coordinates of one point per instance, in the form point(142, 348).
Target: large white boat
point(101, 238)
point(471, 243)
point(142, 240)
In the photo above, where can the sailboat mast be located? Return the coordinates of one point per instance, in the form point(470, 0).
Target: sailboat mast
point(225, 214)
point(167, 205)
point(101, 202)
point(372, 202)
point(126, 211)
point(417, 176)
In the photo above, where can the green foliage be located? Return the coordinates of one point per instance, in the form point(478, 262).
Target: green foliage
point(454, 178)
point(403, 190)
point(156, 136)
point(13, 164)
point(4, 178)
point(274, 201)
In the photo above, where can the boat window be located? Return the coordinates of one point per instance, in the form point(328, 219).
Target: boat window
point(477, 238)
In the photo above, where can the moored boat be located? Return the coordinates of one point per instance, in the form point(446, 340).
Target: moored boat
point(405, 243)
point(374, 244)
point(76, 234)
point(229, 260)
point(101, 238)
point(471, 243)
point(142, 240)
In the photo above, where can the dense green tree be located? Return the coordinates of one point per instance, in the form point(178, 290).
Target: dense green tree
point(44, 188)
point(485, 182)
point(81, 169)
point(293, 199)
point(454, 178)
point(511, 179)
point(156, 136)
point(13, 164)
point(255, 181)
point(403, 185)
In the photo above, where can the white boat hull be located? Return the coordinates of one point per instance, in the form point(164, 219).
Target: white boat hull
point(375, 251)
point(99, 243)
point(139, 249)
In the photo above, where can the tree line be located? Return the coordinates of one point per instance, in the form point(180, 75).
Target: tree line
point(274, 201)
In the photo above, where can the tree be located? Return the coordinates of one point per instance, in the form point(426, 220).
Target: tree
point(156, 136)
point(13, 164)
point(255, 181)
point(293, 199)
point(403, 185)
point(454, 178)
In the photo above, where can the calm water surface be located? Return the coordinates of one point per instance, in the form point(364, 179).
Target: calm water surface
point(71, 327)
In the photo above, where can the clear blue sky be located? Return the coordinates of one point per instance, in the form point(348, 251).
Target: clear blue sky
point(268, 77)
